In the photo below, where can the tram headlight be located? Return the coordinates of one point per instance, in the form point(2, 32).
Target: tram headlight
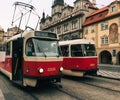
point(41, 70)
point(61, 69)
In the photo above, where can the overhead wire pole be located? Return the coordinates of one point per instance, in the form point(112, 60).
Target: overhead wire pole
point(20, 23)
point(13, 15)
point(28, 17)
point(24, 6)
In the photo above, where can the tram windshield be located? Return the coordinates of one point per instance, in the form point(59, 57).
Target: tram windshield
point(46, 48)
point(83, 50)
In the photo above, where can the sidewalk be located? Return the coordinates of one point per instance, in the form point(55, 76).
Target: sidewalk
point(110, 67)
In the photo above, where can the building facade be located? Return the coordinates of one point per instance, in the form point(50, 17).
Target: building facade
point(1, 35)
point(66, 20)
point(103, 26)
point(13, 31)
point(1, 38)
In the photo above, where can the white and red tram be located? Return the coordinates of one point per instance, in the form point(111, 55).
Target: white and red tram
point(32, 57)
point(79, 57)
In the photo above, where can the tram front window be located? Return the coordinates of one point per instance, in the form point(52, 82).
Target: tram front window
point(46, 48)
point(30, 48)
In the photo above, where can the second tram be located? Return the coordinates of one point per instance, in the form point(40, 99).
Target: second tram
point(79, 57)
point(32, 57)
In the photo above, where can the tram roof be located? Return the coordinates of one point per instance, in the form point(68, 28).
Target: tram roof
point(77, 41)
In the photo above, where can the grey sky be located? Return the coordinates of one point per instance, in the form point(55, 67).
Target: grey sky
point(6, 8)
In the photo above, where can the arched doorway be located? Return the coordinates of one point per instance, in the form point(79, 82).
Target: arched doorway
point(118, 58)
point(105, 57)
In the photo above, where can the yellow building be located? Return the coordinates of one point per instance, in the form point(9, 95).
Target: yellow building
point(103, 26)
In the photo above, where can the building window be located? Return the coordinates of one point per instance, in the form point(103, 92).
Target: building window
point(0, 39)
point(54, 11)
point(58, 29)
point(104, 40)
point(119, 21)
point(113, 9)
point(65, 14)
point(104, 25)
point(65, 27)
point(91, 18)
point(74, 24)
point(93, 29)
point(86, 30)
point(52, 30)
point(100, 15)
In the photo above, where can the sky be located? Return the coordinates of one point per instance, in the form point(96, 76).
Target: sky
point(7, 9)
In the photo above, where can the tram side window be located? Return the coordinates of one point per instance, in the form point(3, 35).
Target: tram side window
point(76, 51)
point(8, 48)
point(30, 48)
point(65, 50)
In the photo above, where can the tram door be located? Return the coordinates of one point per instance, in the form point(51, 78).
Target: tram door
point(17, 59)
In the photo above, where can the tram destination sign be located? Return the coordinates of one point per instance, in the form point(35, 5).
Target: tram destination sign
point(45, 34)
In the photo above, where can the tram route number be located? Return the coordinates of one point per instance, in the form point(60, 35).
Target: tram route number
point(51, 69)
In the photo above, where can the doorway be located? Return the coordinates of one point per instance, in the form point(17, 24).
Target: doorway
point(17, 59)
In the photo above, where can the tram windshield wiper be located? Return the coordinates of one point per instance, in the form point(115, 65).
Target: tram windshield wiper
point(40, 50)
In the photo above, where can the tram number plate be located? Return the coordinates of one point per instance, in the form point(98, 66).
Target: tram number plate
point(51, 69)
point(92, 65)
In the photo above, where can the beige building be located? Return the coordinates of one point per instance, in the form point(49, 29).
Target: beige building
point(13, 31)
point(1, 37)
point(103, 26)
point(66, 20)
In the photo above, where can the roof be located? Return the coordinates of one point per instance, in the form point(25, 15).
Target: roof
point(100, 14)
point(96, 16)
point(99, 11)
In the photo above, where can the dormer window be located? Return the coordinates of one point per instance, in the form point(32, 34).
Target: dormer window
point(91, 18)
point(113, 9)
point(100, 15)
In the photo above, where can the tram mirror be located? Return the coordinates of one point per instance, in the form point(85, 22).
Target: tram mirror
point(53, 44)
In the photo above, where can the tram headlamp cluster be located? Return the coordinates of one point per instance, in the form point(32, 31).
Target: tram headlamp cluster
point(61, 69)
point(41, 70)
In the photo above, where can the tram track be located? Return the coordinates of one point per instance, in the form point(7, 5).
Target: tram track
point(97, 81)
point(35, 93)
point(73, 89)
point(37, 96)
point(102, 87)
point(101, 76)
point(27, 90)
point(60, 88)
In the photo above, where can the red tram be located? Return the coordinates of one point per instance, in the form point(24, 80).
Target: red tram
point(79, 57)
point(32, 57)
